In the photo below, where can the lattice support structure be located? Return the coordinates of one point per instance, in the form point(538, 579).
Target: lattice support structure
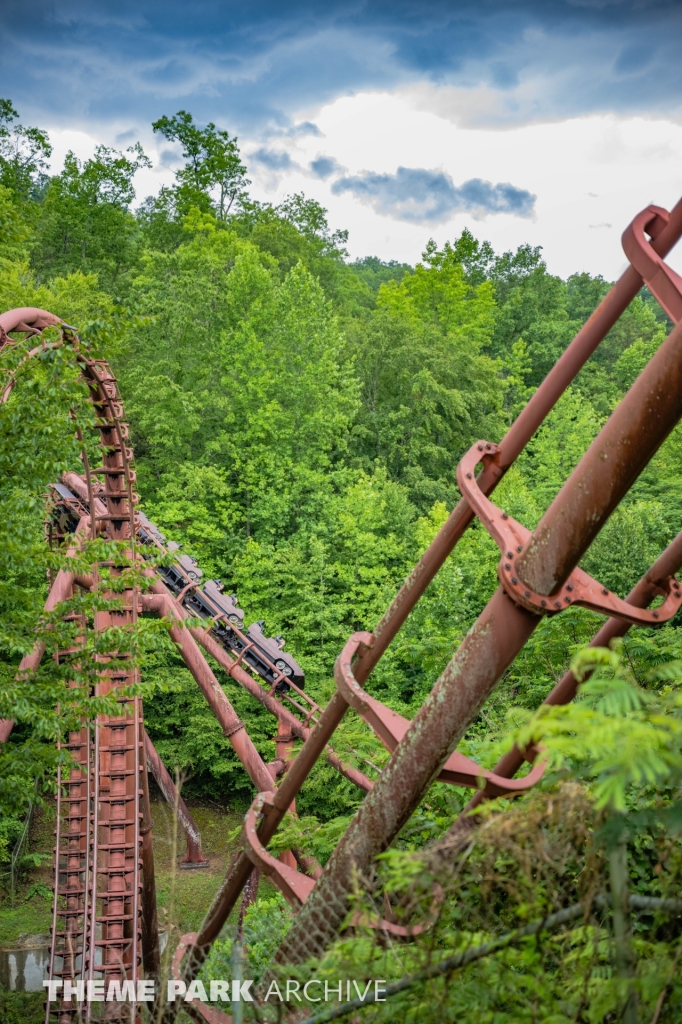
point(109, 915)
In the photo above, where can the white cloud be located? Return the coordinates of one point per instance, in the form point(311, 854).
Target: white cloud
point(591, 175)
point(596, 170)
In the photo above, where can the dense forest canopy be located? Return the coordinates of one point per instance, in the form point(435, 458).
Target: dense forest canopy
point(297, 419)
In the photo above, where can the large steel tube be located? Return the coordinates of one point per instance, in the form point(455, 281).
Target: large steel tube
point(27, 317)
point(612, 306)
point(606, 472)
point(655, 404)
point(239, 870)
point(162, 603)
point(212, 647)
point(641, 596)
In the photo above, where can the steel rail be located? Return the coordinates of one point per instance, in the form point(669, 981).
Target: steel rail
point(624, 446)
point(612, 463)
point(664, 230)
point(642, 594)
point(156, 602)
point(111, 877)
point(118, 843)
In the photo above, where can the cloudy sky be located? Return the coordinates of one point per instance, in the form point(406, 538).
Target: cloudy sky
point(544, 121)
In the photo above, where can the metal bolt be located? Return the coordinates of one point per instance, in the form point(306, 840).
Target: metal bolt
point(557, 604)
point(480, 447)
point(505, 516)
point(509, 554)
point(507, 566)
point(604, 591)
point(526, 593)
point(514, 580)
point(569, 586)
point(567, 600)
point(543, 603)
point(655, 615)
point(488, 447)
point(468, 476)
point(519, 549)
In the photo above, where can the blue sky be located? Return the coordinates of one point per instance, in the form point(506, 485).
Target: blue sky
point(551, 121)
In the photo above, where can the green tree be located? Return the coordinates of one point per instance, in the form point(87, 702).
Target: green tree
point(85, 222)
point(297, 231)
point(376, 272)
point(23, 155)
point(213, 177)
point(428, 389)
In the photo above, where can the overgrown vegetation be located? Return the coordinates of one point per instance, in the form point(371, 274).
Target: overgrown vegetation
point(297, 419)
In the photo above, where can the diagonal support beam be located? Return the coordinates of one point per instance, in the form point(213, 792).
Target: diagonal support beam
point(664, 230)
point(59, 591)
point(302, 732)
point(651, 585)
point(162, 604)
point(631, 436)
point(193, 857)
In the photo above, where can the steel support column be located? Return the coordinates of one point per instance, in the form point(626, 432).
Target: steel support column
point(162, 603)
point(193, 856)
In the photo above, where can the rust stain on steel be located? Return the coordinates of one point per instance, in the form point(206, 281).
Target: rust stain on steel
point(512, 537)
point(598, 325)
point(295, 887)
point(485, 653)
point(614, 460)
point(636, 428)
point(667, 230)
point(491, 645)
point(390, 727)
point(242, 744)
point(652, 584)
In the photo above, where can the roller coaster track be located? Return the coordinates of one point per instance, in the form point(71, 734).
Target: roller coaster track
point(104, 919)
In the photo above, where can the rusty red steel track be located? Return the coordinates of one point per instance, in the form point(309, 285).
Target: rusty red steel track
point(101, 909)
point(104, 919)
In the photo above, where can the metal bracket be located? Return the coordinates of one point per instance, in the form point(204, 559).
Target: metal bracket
point(197, 1010)
point(233, 729)
point(390, 727)
point(580, 588)
point(294, 886)
point(661, 280)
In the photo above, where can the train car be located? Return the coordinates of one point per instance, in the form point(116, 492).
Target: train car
point(211, 603)
point(265, 655)
point(272, 648)
point(64, 514)
point(176, 577)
